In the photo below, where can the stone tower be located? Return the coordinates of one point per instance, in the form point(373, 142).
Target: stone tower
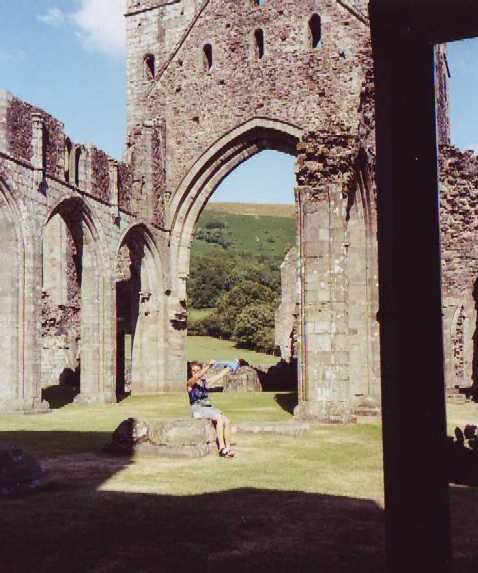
point(154, 29)
point(96, 252)
point(212, 83)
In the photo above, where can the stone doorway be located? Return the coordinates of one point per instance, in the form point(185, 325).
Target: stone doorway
point(139, 324)
point(71, 302)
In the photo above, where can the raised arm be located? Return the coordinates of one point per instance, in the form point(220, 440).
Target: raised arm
point(195, 378)
point(214, 380)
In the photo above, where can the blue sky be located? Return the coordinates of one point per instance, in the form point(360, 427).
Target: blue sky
point(68, 57)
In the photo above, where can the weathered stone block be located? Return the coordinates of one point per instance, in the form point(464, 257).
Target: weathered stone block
point(177, 438)
point(245, 380)
point(295, 429)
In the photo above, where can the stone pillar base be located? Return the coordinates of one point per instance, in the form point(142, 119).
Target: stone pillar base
point(26, 406)
point(325, 412)
point(366, 406)
point(98, 398)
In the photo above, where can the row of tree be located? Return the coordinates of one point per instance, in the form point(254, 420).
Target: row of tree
point(238, 277)
point(245, 314)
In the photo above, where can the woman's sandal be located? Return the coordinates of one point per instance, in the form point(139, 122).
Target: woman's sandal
point(226, 453)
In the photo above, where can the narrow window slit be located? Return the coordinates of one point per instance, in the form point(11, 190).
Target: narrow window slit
point(149, 67)
point(315, 31)
point(259, 37)
point(207, 57)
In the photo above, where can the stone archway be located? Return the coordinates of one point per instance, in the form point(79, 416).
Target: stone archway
point(139, 316)
point(336, 281)
point(11, 302)
point(75, 305)
point(20, 388)
point(189, 200)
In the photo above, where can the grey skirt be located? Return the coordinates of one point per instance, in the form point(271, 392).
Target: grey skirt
point(205, 412)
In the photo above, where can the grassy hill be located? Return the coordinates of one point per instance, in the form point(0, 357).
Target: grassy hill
point(238, 250)
point(251, 231)
point(254, 209)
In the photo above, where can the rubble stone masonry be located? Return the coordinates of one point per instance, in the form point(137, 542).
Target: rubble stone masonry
point(210, 84)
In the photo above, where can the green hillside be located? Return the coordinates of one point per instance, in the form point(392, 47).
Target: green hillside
point(254, 209)
point(254, 236)
point(235, 272)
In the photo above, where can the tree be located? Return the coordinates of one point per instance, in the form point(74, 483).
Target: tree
point(209, 279)
point(237, 299)
point(253, 325)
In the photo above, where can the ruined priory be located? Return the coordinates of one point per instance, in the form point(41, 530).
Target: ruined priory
point(95, 252)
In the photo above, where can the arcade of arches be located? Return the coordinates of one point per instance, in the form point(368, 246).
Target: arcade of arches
point(96, 252)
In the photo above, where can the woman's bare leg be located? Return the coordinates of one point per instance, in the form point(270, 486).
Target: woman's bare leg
point(227, 432)
point(220, 432)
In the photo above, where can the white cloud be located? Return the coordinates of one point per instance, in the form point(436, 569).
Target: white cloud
point(53, 17)
point(101, 25)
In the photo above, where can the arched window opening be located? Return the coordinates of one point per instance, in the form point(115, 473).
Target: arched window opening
point(259, 38)
point(78, 153)
point(235, 309)
point(67, 160)
point(138, 366)
point(149, 67)
point(315, 31)
point(207, 57)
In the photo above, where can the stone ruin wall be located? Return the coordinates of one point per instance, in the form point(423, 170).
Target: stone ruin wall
point(459, 228)
point(224, 94)
point(178, 111)
point(285, 327)
point(41, 167)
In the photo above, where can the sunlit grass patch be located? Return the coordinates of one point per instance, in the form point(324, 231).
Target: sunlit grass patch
point(205, 348)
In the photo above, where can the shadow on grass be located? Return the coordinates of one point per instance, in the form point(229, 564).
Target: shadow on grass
point(60, 395)
point(287, 401)
point(76, 525)
point(464, 522)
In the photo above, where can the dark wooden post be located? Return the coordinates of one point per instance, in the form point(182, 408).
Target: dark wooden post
point(414, 419)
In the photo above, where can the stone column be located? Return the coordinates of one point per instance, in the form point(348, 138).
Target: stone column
point(324, 355)
point(176, 335)
point(20, 324)
point(98, 340)
point(108, 334)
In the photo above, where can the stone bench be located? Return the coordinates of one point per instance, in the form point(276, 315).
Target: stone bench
point(166, 438)
point(294, 429)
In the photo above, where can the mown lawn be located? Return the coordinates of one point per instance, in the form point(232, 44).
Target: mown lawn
point(283, 504)
point(205, 348)
point(195, 314)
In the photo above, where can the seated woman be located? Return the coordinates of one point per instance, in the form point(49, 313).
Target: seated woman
point(202, 407)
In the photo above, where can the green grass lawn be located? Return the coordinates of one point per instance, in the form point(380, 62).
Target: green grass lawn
point(195, 314)
point(205, 348)
point(284, 504)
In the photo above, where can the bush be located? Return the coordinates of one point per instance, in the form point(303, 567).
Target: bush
point(255, 325)
point(215, 225)
point(265, 341)
point(209, 280)
point(243, 295)
point(198, 327)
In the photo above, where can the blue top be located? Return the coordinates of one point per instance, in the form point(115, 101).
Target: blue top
point(198, 392)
